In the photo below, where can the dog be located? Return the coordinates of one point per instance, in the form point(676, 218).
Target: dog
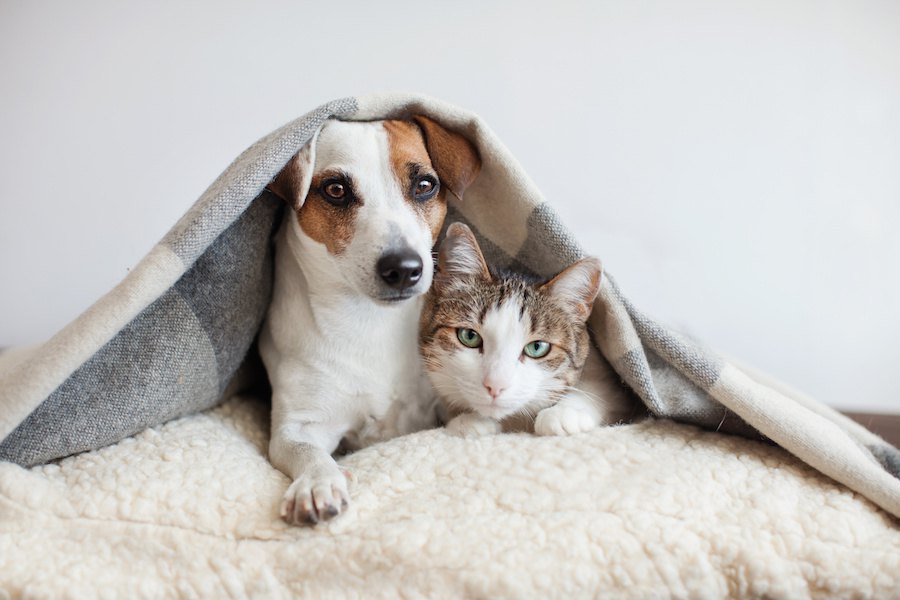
point(353, 256)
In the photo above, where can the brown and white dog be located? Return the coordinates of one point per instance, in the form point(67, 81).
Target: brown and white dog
point(352, 260)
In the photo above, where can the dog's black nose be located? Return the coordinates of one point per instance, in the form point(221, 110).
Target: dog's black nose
point(400, 269)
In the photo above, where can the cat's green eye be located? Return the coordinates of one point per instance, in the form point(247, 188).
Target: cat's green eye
point(537, 349)
point(468, 337)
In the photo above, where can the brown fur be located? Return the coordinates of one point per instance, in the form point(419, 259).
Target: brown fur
point(408, 152)
point(581, 307)
point(463, 303)
point(322, 221)
point(287, 181)
point(455, 159)
point(423, 144)
point(465, 290)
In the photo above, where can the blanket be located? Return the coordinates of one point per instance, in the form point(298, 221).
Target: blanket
point(170, 340)
point(651, 510)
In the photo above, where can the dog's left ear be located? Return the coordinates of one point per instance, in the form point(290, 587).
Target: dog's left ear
point(292, 183)
point(454, 157)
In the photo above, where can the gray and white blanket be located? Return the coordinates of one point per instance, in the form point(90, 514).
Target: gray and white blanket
point(172, 337)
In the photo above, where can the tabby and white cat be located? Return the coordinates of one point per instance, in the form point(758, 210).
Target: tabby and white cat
point(505, 353)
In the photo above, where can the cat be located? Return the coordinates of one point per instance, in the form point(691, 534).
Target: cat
point(504, 353)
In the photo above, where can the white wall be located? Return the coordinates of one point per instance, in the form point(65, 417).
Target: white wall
point(737, 167)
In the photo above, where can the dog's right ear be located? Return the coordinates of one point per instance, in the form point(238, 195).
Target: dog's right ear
point(292, 183)
point(454, 157)
point(460, 256)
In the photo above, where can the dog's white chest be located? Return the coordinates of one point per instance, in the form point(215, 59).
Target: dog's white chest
point(347, 362)
point(387, 393)
point(384, 414)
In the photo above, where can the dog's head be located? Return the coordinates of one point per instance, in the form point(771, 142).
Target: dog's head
point(370, 198)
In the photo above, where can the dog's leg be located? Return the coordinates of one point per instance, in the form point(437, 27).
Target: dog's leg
point(319, 488)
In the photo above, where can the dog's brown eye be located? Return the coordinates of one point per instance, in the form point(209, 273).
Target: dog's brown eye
point(335, 190)
point(425, 188)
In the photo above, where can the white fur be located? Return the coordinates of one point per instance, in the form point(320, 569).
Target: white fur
point(461, 257)
point(596, 400)
point(341, 363)
point(573, 414)
point(577, 281)
point(473, 424)
point(468, 373)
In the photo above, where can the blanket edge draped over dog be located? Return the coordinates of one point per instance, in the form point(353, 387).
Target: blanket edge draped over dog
point(169, 339)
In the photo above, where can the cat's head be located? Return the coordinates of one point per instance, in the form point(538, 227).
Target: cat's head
point(500, 344)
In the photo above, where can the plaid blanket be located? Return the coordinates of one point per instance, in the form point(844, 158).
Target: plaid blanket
point(174, 336)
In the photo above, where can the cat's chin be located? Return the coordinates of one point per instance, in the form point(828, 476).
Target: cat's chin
point(495, 411)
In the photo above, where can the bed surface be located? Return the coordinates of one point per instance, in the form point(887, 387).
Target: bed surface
point(653, 509)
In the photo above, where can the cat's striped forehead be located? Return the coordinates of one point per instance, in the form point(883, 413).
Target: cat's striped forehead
point(507, 313)
point(468, 301)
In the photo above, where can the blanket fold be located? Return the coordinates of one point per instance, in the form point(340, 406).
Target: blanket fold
point(167, 341)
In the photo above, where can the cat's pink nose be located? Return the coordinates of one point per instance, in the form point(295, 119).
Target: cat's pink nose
point(493, 389)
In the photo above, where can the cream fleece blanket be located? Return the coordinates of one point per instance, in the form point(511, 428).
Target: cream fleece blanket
point(652, 510)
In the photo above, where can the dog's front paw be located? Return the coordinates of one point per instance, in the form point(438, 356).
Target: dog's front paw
point(563, 420)
point(314, 497)
point(471, 425)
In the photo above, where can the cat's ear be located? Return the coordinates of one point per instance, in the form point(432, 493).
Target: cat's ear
point(460, 255)
point(578, 285)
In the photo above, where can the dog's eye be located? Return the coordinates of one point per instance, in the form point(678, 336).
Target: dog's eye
point(425, 188)
point(337, 192)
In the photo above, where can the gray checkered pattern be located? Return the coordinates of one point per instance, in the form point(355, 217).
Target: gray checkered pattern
point(178, 355)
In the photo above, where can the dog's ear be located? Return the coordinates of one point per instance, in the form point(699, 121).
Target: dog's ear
point(454, 157)
point(460, 256)
point(577, 285)
point(292, 183)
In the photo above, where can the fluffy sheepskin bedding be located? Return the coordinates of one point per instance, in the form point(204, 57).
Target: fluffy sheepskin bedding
point(654, 509)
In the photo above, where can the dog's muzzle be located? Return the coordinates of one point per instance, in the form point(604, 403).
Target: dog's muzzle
point(400, 269)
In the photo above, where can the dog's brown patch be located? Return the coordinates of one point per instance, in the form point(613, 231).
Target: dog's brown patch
point(409, 154)
point(455, 158)
point(415, 149)
point(322, 221)
point(286, 182)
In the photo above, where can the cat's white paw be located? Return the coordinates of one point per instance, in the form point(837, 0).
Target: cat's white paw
point(472, 425)
point(563, 420)
point(314, 497)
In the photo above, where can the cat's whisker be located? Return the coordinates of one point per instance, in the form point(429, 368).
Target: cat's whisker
point(455, 389)
point(460, 381)
point(528, 411)
point(587, 395)
point(509, 314)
